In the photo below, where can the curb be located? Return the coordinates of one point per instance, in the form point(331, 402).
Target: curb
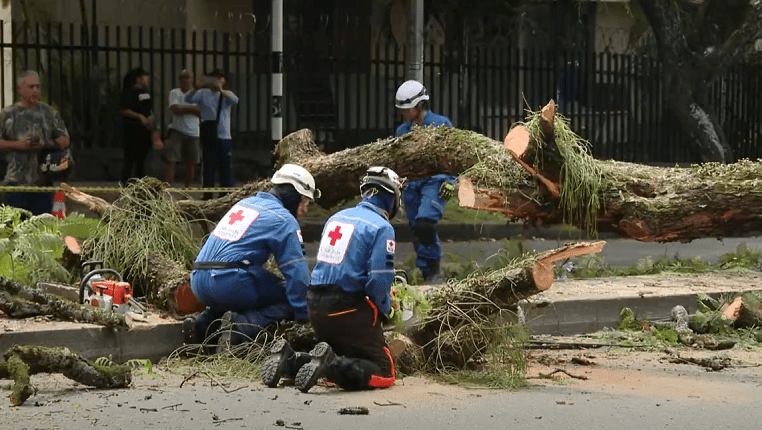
point(154, 342)
point(91, 341)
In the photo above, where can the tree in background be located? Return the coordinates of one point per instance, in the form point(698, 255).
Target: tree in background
point(697, 41)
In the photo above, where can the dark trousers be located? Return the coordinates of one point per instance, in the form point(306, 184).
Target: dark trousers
point(137, 144)
point(36, 203)
point(351, 324)
point(217, 155)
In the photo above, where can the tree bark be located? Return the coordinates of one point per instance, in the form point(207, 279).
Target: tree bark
point(23, 361)
point(424, 152)
point(646, 203)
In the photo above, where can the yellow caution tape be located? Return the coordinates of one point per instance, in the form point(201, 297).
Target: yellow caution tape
point(90, 190)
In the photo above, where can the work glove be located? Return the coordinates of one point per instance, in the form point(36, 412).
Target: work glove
point(446, 191)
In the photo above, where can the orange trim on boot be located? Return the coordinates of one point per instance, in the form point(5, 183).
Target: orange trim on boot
point(377, 381)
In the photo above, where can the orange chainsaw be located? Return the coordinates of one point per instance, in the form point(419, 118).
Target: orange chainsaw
point(104, 288)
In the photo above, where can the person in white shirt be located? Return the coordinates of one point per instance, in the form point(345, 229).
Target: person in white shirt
point(183, 143)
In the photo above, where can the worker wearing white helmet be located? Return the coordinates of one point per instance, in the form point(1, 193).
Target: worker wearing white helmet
point(228, 277)
point(350, 295)
point(425, 198)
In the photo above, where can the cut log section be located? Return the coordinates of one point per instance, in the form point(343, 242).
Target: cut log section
point(95, 204)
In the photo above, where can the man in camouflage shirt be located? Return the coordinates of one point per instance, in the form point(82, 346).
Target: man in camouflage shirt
point(26, 128)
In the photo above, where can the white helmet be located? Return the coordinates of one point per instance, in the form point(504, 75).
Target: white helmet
point(386, 179)
point(409, 94)
point(299, 177)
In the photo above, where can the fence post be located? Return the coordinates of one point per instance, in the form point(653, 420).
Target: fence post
point(277, 72)
point(7, 67)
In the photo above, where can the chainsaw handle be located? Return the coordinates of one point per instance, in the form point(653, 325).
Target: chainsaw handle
point(90, 275)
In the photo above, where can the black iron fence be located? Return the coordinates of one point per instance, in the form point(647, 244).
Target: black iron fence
point(346, 95)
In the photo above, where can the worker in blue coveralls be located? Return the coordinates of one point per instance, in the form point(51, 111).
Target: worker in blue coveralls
point(350, 296)
point(425, 198)
point(240, 296)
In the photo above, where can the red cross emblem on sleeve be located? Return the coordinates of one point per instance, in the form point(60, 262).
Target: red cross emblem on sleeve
point(235, 217)
point(335, 235)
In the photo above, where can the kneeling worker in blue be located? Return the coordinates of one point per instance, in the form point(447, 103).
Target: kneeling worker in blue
point(350, 295)
point(240, 296)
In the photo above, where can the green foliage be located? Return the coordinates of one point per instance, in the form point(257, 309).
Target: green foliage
point(142, 222)
point(627, 320)
point(593, 266)
point(744, 258)
point(408, 298)
point(31, 246)
point(503, 366)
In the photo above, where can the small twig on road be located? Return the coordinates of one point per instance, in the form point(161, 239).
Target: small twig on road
point(174, 408)
point(389, 403)
point(148, 410)
point(571, 375)
point(294, 427)
point(213, 379)
point(218, 422)
point(354, 410)
point(189, 377)
point(540, 344)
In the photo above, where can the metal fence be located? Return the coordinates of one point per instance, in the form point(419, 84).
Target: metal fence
point(346, 95)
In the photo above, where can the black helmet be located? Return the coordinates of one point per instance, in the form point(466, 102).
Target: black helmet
point(55, 163)
point(386, 179)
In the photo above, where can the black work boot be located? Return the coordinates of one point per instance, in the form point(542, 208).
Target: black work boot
point(433, 274)
point(322, 355)
point(229, 336)
point(283, 362)
point(189, 331)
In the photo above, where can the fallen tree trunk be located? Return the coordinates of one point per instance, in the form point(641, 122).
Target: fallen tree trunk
point(465, 316)
point(172, 283)
point(21, 362)
point(19, 301)
point(646, 203)
point(422, 153)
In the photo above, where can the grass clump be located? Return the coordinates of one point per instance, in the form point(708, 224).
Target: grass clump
point(143, 221)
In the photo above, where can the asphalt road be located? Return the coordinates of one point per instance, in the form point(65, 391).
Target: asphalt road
point(696, 400)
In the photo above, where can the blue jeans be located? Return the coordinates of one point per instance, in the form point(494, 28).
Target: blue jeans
point(217, 156)
point(257, 297)
point(421, 199)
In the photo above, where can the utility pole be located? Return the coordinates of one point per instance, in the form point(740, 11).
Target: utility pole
point(7, 58)
point(415, 53)
point(277, 71)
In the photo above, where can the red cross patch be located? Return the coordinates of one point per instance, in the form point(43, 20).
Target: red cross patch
point(391, 246)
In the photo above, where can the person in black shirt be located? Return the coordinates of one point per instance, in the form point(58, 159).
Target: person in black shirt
point(139, 126)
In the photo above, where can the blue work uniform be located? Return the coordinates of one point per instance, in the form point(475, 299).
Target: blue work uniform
point(252, 230)
point(421, 197)
point(356, 253)
point(350, 295)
